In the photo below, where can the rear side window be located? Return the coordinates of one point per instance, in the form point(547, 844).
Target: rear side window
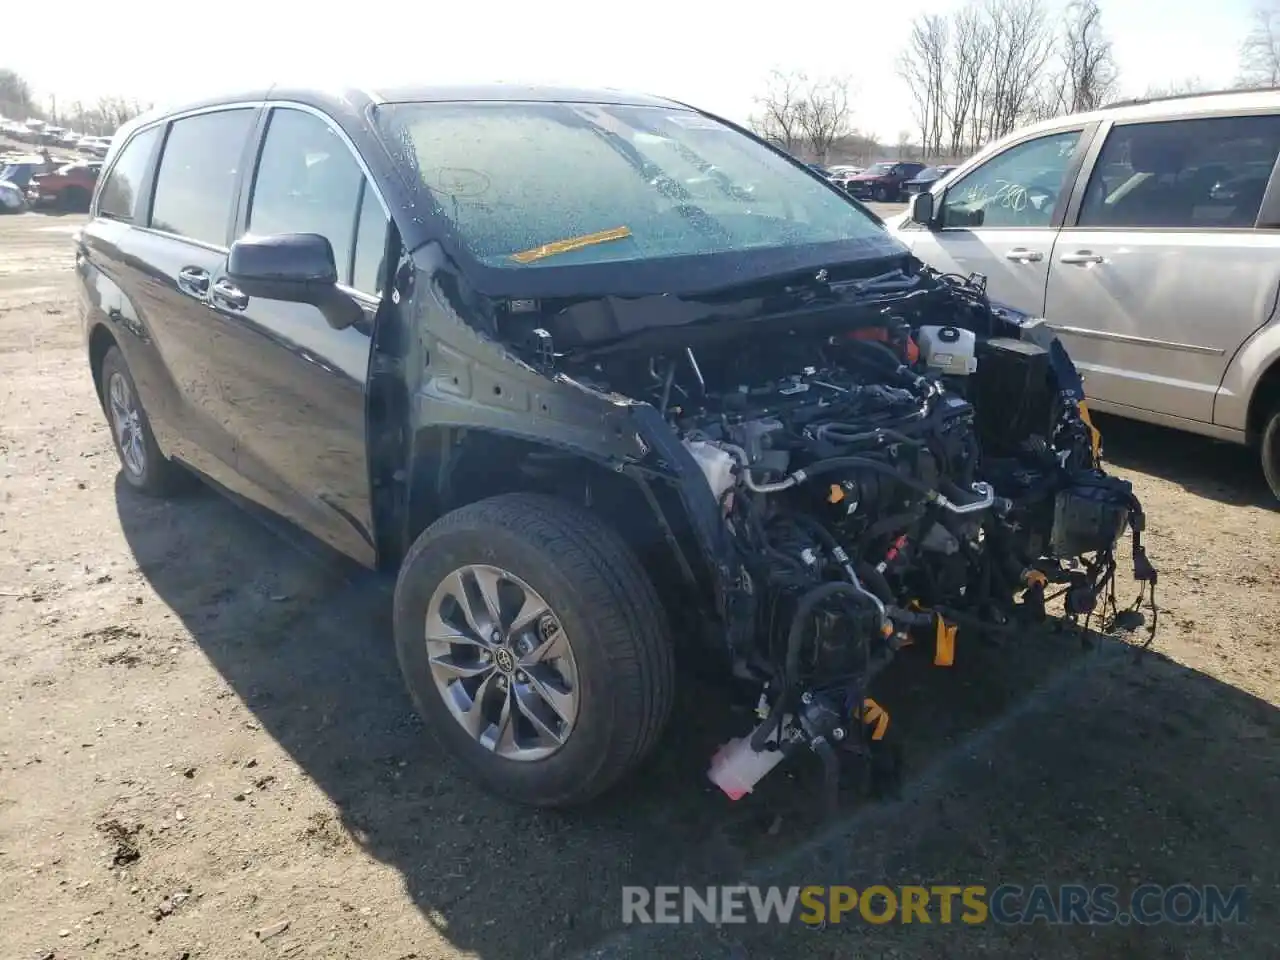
point(1197, 174)
point(308, 181)
point(195, 186)
point(121, 191)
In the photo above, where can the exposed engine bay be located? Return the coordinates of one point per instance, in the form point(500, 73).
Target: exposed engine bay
point(890, 486)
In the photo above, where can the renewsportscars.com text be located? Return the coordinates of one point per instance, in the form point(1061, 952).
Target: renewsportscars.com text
point(1100, 904)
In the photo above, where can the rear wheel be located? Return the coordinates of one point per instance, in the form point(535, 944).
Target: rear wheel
point(142, 464)
point(74, 199)
point(535, 648)
point(1271, 451)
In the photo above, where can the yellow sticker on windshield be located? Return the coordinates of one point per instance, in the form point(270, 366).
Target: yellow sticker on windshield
point(573, 243)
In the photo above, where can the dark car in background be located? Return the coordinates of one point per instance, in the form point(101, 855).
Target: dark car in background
point(926, 178)
point(883, 181)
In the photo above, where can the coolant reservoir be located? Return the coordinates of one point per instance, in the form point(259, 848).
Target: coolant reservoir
point(716, 463)
point(949, 350)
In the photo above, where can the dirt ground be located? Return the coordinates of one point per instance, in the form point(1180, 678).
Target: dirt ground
point(206, 751)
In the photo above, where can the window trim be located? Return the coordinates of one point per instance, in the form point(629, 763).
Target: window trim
point(250, 181)
point(1268, 217)
point(1070, 177)
point(237, 189)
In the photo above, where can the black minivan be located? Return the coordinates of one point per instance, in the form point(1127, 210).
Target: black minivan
point(491, 339)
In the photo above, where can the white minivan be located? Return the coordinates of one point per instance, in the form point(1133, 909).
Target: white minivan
point(1148, 235)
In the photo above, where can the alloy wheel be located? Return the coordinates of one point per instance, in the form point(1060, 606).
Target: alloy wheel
point(127, 424)
point(502, 663)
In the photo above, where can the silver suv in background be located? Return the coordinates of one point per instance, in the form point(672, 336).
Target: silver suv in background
point(1148, 235)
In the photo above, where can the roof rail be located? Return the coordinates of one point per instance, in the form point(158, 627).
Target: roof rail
point(1138, 101)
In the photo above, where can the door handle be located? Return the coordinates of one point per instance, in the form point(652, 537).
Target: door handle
point(194, 280)
point(1023, 255)
point(1083, 256)
point(226, 294)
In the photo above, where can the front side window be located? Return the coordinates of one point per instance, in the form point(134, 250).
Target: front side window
point(532, 184)
point(1197, 174)
point(307, 182)
point(1017, 188)
point(195, 186)
point(121, 191)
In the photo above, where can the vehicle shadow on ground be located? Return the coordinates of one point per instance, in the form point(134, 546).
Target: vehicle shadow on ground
point(304, 640)
point(1224, 472)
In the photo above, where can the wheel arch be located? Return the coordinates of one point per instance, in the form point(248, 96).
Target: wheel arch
point(1262, 402)
point(100, 341)
point(452, 467)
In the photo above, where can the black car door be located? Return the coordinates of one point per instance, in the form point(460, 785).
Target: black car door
point(294, 397)
point(167, 260)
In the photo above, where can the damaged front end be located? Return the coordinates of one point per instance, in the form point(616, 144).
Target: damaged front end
point(870, 485)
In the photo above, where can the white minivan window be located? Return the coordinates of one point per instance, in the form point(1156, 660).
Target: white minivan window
point(1183, 174)
point(1016, 188)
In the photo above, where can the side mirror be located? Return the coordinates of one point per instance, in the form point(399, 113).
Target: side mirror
point(922, 209)
point(294, 268)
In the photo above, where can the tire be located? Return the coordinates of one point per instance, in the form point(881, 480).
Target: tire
point(609, 616)
point(882, 194)
point(1270, 450)
point(73, 199)
point(157, 475)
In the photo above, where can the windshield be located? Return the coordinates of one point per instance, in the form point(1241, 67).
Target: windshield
point(880, 168)
point(532, 184)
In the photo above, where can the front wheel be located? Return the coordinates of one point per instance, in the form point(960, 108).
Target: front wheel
point(1271, 451)
point(535, 647)
point(882, 194)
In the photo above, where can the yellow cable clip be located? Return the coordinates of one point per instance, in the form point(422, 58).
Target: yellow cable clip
point(1095, 435)
point(944, 653)
point(872, 712)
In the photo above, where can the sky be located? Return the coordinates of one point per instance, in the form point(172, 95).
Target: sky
point(714, 55)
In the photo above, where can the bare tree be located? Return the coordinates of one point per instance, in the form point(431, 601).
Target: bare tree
point(923, 65)
point(1023, 44)
point(1260, 51)
point(1087, 77)
point(978, 72)
point(1176, 88)
point(16, 101)
point(824, 116)
point(781, 110)
point(970, 61)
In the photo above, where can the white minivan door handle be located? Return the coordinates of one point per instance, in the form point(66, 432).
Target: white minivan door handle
point(1083, 256)
point(1023, 254)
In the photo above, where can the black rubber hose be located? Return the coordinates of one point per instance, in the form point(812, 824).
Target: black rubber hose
point(892, 524)
point(865, 463)
point(804, 608)
point(846, 434)
point(821, 533)
point(875, 580)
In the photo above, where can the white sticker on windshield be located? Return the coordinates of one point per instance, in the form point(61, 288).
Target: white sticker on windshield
point(693, 121)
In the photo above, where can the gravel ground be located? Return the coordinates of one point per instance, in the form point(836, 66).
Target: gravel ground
point(206, 751)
